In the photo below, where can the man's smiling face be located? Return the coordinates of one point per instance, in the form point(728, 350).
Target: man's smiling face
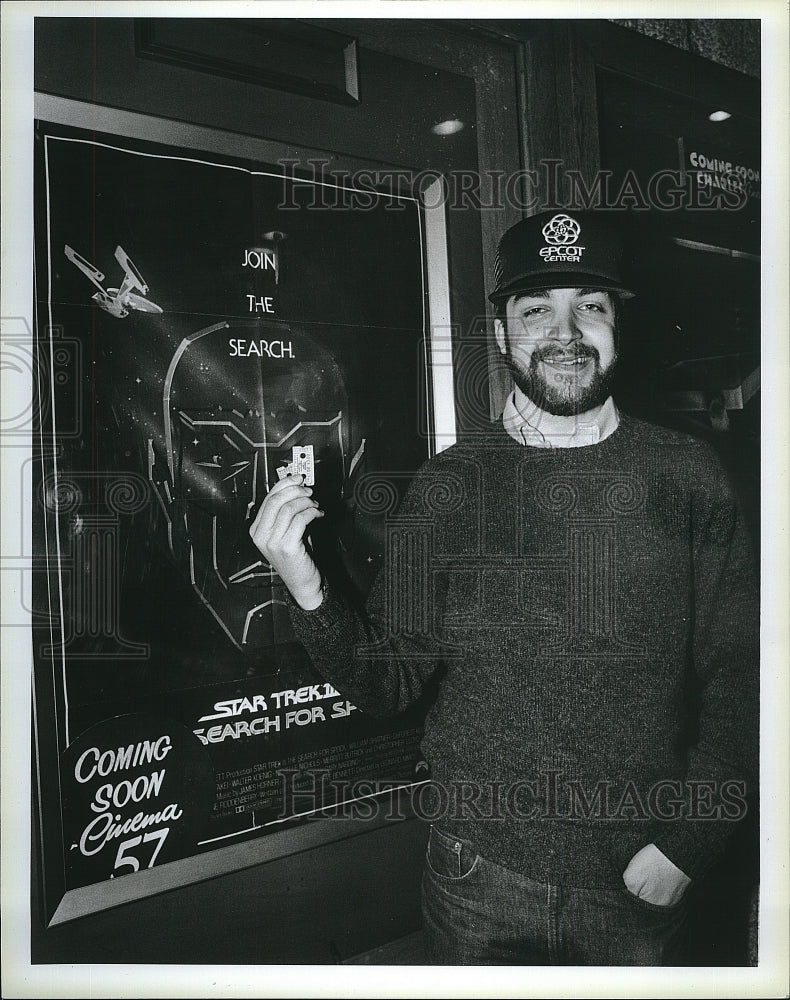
point(559, 344)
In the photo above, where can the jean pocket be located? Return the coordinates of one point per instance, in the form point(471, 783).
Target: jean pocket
point(448, 857)
point(654, 907)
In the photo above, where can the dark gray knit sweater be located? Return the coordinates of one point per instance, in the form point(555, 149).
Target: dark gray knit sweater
point(593, 615)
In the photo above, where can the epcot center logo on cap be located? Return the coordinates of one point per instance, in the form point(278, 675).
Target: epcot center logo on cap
point(562, 232)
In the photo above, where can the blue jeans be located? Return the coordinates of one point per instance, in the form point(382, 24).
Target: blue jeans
point(477, 913)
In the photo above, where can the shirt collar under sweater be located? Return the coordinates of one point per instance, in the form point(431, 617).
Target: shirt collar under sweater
point(530, 432)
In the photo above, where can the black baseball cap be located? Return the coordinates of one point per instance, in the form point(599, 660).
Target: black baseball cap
point(559, 249)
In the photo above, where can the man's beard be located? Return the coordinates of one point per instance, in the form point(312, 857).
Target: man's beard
point(564, 395)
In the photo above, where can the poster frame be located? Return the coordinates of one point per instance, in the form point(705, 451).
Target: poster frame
point(59, 904)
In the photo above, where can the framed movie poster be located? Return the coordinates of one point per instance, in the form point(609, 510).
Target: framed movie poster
point(206, 325)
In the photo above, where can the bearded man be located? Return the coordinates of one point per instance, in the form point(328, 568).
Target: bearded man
point(579, 586)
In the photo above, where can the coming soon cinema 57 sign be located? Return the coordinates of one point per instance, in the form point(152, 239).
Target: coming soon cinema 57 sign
point(205, 328)
point(136, 788)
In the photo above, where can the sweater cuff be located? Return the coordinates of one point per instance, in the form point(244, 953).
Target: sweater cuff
point(316, 621)
point(684, 847)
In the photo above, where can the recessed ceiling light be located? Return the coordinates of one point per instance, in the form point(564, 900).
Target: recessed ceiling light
point(449, 127)
point(719, 116)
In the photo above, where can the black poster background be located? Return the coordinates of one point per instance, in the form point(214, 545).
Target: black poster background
point(160, 432)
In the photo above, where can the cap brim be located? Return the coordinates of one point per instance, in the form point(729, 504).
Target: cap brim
point(559, 279)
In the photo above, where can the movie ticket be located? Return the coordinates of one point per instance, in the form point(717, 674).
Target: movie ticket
point(302, 464)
